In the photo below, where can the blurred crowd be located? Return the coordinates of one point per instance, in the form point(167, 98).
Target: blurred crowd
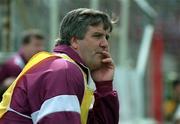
point(32, 42)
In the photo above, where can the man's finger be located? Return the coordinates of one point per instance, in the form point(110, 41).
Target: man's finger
point(107, 60)
point(107, 54)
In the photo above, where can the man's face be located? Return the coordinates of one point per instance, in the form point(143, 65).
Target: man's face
point(90, 48)
point(177, 92)
point(35, 45)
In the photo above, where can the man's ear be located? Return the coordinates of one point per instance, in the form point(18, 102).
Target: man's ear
point(74, 43)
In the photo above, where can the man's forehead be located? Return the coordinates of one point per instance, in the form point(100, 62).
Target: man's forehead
point(98, 29)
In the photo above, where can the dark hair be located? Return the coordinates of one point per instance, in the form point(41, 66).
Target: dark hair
point(76, 22)
point(32, 33)
point(175, 83)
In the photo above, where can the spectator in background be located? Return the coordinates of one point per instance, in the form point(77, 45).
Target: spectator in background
point(171, 106)
point(176, 91)
point(177, 116)
point(32, 42)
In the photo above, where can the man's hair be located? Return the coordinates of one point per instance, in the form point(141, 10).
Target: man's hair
point(76, 23)
point(29, 34)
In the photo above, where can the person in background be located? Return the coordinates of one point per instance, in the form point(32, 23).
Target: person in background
point(32, 42)
point(54, 88)
point(171, 105)
point(176, 117)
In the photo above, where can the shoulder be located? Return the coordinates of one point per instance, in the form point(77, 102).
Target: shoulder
point(11, 67)
point(66, 74)
point(61, 64)
point(14, 61)
point(57, 76)
point(55, 68)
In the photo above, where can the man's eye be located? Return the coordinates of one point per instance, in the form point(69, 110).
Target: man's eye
point(107, 37)
point(97, 36)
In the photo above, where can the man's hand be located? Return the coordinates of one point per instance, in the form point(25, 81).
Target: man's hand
point(106, 72)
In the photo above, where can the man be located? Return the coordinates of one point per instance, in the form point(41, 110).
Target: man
point(53, 90)
point(32, 43)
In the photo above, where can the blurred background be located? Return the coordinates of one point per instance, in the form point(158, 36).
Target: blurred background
point(145, 45)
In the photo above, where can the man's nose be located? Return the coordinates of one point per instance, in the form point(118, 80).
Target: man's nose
point(104, 43)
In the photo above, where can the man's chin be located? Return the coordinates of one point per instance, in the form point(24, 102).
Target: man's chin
point(97, 66)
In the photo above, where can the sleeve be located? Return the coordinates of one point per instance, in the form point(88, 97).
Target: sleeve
point(59, 100)
point(106, 106)
point(13, 70)
point(8, 70)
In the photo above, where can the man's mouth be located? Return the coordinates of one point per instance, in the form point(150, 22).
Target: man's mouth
point(99, 52)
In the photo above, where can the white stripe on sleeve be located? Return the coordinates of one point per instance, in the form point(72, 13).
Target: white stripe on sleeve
point(59, 103)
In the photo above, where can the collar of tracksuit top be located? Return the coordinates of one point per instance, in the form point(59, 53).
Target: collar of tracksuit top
point(72, 54)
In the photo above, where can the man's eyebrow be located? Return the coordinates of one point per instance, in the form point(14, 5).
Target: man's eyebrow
point(98, 33)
